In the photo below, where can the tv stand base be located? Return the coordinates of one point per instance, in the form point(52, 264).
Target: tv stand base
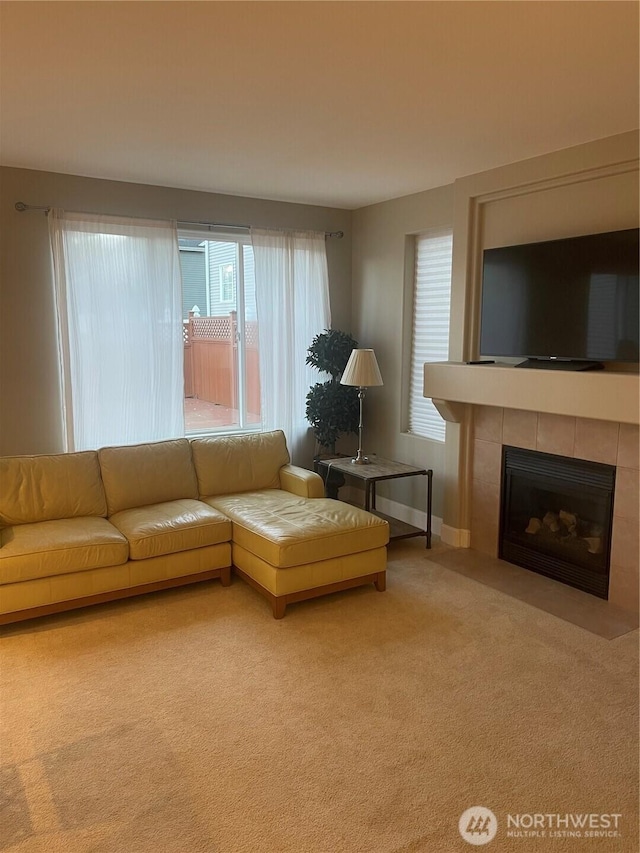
point(558, 364)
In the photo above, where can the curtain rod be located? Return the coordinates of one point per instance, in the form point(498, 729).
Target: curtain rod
point(20, 206)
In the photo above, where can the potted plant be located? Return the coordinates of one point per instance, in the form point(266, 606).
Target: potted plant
point(332, 408)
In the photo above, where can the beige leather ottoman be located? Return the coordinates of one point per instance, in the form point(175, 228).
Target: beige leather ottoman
point(291, 548)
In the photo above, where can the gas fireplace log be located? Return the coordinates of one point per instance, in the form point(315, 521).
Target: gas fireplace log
point(594, 543)
point(569, 519)
point(551, 521)
point(534, 526)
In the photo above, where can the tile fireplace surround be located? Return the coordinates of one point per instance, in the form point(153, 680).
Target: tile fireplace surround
point(582, 438)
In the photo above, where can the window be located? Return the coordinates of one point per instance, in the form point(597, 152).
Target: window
point(194, 278)
point(430, 332)
point(227, 290)
point(221, 361)
point(150, 350)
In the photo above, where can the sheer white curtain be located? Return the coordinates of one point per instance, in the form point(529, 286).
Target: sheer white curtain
point(118, 297)
point(292, 297)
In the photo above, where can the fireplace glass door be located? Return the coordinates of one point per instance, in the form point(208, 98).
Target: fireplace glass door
point(556, 517)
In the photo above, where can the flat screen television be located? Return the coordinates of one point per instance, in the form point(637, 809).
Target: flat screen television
point(571, 302)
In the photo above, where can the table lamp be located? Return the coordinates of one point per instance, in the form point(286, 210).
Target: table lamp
point(362, 371)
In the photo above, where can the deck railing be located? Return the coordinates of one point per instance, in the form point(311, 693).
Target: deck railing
point(211, 361)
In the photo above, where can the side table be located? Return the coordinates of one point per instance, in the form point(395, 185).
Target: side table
point(375, 472)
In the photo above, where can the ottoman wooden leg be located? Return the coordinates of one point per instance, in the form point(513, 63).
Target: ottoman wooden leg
point(381, 581)
point(279, 606)
point(225, 576)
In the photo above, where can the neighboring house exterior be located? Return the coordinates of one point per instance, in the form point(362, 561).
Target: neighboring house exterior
point(194, 281)
point(210, 277)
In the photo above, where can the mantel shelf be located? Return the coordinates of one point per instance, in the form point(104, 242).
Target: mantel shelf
point(600, 394)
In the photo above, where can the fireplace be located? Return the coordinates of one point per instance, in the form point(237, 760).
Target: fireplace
point(556, 517)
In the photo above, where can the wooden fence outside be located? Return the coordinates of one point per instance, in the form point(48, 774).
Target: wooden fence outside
point(211, 361)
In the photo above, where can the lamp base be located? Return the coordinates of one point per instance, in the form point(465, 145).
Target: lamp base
point(361, 459)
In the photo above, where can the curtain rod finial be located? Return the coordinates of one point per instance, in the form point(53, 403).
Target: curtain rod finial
point(20, 206)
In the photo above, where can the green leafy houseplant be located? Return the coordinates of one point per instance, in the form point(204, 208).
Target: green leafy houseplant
point(332, 408)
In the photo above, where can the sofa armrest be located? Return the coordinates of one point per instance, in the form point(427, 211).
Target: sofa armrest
point(301, 482)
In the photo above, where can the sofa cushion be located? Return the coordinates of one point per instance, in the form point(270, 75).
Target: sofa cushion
point(169, 527)
point(144, 474)
point(286, 530)
point(239, 463)
point(47, 548)
point(44, 488)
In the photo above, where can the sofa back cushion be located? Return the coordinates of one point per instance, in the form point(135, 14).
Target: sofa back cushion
point(144, 474)
point(239, 463)
point(46, 488)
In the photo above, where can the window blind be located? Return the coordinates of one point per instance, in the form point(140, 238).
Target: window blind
point(430, 333)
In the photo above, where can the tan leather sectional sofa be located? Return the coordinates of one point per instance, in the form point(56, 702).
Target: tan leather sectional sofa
point(84, 528)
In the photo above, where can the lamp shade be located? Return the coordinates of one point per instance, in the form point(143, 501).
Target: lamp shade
point(362, 369)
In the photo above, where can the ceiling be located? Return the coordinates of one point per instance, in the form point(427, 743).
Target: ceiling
point(331, 103)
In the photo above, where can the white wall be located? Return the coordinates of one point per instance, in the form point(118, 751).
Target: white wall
point(382, 287)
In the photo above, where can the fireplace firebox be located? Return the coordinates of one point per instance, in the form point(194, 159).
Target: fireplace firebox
point(556, 516)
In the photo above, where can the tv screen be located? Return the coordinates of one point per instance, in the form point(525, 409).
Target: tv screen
point(572, 299)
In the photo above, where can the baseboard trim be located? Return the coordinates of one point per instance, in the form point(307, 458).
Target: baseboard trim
point(408, 514)
point(455, 536)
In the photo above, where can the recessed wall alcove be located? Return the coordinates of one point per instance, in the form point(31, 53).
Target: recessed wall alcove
point(569, 414)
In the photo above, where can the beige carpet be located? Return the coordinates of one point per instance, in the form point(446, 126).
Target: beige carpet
point(365, 722)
